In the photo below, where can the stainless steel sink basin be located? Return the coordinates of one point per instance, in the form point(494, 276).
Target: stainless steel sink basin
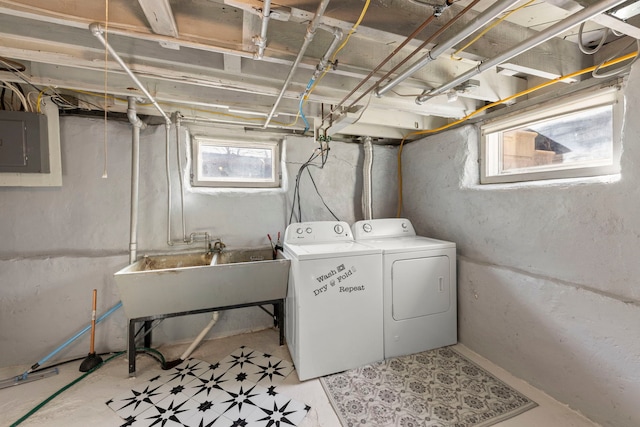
point(176, 283)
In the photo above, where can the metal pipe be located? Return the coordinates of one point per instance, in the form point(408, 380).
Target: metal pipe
point(261, 40)
point(97, 31)
point(474, 25)
point(541, 37)
point(136, 125)
point(311, 31)
point(337, 37)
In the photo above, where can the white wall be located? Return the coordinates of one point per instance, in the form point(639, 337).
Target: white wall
point(58, 244)
point(548, 276)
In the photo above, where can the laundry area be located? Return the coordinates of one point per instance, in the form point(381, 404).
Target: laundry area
point(319, 213)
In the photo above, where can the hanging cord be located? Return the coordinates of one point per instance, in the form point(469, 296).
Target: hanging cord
point(586, 50)
point(489, 28)
point(106, 78)
point(633, 56)
point(617, 71)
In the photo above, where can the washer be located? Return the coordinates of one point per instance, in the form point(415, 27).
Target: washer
point(419, 282)
point(334, 299)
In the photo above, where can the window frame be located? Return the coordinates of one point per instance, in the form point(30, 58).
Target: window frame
point(202, 140)
point(491, 148)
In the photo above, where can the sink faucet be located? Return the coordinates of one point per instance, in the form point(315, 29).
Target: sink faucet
point(218, 246)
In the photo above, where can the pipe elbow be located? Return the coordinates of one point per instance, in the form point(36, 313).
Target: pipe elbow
point(95, 29)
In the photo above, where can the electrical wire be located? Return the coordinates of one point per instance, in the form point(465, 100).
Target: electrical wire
point(633, 56)
point(19, 94)
point(322, 153)
point(596, 49)
point(489, 28)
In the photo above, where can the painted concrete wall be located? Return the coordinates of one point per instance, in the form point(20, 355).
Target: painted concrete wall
point(57, 244)
point(548, 276)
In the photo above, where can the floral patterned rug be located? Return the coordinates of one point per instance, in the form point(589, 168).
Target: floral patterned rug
point(436, 388)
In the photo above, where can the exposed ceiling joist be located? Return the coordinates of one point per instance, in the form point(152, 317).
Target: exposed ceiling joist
point(160, 17)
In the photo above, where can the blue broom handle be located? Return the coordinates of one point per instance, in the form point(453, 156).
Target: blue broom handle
point(75, 337)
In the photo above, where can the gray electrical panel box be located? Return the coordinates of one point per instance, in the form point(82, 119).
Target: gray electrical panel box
point(24, 142)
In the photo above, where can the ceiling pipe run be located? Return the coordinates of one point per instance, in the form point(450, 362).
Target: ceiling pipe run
point(261, 40)
point(97, 31)
point(541, 37)
point(311, 31)
point(474, 25)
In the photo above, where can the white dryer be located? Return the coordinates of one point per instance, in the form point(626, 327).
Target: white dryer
point(334, 299)
point(419, 285)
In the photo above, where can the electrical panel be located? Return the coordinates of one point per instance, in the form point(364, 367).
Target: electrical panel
point(24, 144)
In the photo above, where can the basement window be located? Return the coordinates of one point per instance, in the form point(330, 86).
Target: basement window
point(232, 163)
point(576, 137)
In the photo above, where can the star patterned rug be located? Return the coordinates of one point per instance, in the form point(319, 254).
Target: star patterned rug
point(436, 388)
point(241, 390)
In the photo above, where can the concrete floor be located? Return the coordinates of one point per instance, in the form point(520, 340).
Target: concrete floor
point(84, 403)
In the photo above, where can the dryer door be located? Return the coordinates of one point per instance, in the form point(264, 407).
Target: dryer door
point(420, 287)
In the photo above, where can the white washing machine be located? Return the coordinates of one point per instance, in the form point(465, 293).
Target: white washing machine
point(419, 285)
point(334, 299)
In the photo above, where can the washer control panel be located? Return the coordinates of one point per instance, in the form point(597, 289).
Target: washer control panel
point(318, 232)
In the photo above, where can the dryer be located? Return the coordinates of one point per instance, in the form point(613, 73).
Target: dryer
point(334, 299)
point(419, 282)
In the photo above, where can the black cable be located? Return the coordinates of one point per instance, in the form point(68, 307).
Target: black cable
point(323, 153)
point(2, 106)
point(321, 198)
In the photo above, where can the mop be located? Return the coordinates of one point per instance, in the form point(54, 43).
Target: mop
point(31, 374)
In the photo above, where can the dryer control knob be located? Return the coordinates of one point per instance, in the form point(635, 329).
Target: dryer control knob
point(338, 229)
point(299, 230)
point(367, 227)
point(404, 225)
point(308, 230)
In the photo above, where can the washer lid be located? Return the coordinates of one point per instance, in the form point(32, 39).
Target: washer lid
point(328, 250)
point(408, 244)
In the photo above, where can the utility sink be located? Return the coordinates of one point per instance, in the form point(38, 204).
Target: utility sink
point(177, 283)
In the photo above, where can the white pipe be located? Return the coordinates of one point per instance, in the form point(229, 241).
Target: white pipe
point(97, 31)
point(367, 168)
point(541, 37)
point(474, 25)
point(136, 125)
point(168, 170)
point(184, 223)
point(311, 31)
point(261, 40)
point(200, 336)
